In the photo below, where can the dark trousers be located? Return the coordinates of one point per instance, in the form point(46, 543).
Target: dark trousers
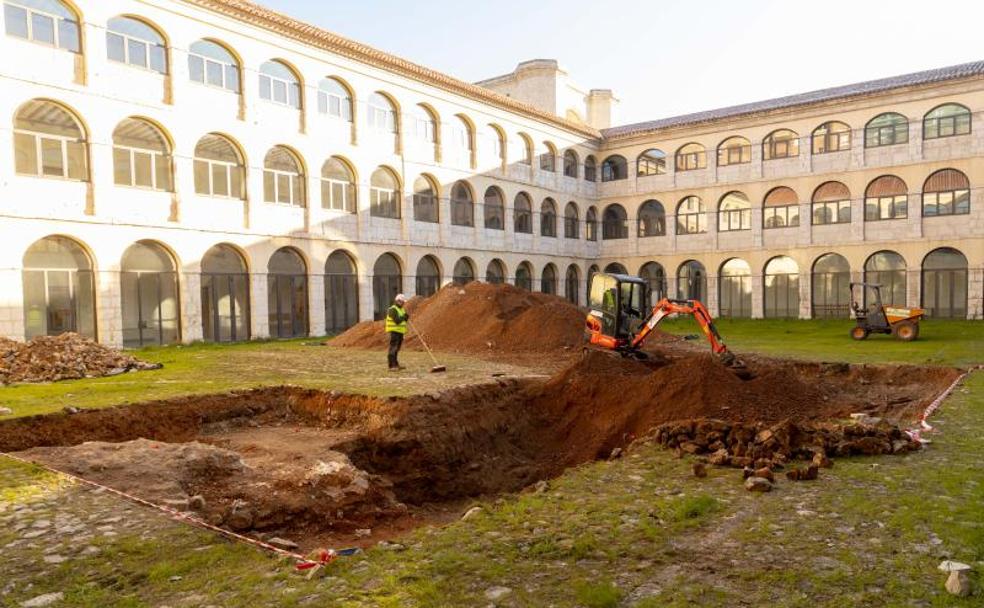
point(396, 341)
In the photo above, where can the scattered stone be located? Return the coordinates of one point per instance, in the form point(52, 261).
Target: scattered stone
point(616, 454)
point(820, 459)
point(240, 516)
point(470, 513)
point(699, 469)
point(71, 409)
point(196, 503)
point(541, 486)
point(6, 411)
point(494, 594)
point(54, 559)
point(807, 474)
point(720, 458)
point(63, 357)
point(765, 473)
point(174, 579)
point(363, 533)
point(388, 546)
point(282, 543)
point(43, 600)
point(758, 484)
point(747, 472)
point(958, 582)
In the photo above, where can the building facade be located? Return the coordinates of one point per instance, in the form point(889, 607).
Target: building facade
point(179, 170)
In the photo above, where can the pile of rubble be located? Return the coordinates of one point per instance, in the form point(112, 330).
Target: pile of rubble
point(759, 445)
point(65, 357)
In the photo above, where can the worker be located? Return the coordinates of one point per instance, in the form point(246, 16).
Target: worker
point(396, 327)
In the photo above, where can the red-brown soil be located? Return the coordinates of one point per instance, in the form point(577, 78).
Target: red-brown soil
point(64, 357)
point(304, 463)
point(482, 318)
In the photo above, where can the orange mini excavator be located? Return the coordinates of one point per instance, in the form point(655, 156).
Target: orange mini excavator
point(620, 318)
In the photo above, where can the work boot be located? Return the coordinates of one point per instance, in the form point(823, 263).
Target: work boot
point(395, 369)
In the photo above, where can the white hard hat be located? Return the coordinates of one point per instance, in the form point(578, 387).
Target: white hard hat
point(400, 298)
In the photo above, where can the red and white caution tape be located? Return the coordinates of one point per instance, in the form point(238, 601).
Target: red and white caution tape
point(916, 432)
point(323, 557)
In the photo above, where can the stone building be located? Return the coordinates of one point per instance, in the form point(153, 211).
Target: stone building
point(177, 170)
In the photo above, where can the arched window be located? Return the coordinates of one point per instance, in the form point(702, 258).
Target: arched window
point(885, 130)
point(425, 199)
point(212, 64)
point(572, 285)
point(495, 143)
point(831, 204)
point(287, 297)
point(781, 208)
point(548, 158)
point(887, 268)
point(946, 120)
point(524, 276)
point(381, 114)
point(548, 218)
point(49, 22)
point(141, 156)
point(690, 157)
point(614, 168)
point(651, 162)
point(341, 292)
point(616, 268)
point(525, 145)
point(831, 296)
point(49, 142)
point(149, 296)
point(734, 151)
point(424, 124)
point(782, 288)
point(384, 193)
point(220, 169)
point(225, 295)
point(462, 139)
point(334, 99)
point(691, 281)
point(691, 216)
point(387, 281)
point(462, 205)
point(136, 43)
point(782, 143)
point(428, 279)
point(590, 169)
point(495, 209)
point(652, 219)
point(591, 224)
point(283, 180)
point(886, 198)
point(832, 136)
point(571, 221)
point(523, 214)
point(735, 289)
point(655, 277)
point(734, 213)
point(337, 185)
point(614, 223)
point(279, 84)
point(946, 192)
point(548, 280)
point(944, 284)
point(59, 291)
point(464, 271)
point(570, 163)
point(495, 273)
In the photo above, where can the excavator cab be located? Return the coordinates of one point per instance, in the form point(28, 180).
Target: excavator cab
point(619, 303)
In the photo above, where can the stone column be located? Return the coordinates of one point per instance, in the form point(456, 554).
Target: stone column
point(259, 308)
point(805, 295)
point(316, 305)
point(191, 306)
point(975, 287)
point(758, 295)
point(12, 309)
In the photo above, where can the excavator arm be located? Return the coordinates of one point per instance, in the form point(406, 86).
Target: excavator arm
point(667, 307)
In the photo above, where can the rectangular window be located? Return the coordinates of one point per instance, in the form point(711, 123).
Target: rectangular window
point(691, 223)
point(15, 18)
point(834, 212)
point(265, 88)
point(269, 187)
point(735, 219)
point(280, 91)
point(68, 35)
point(955, 202)
point(43, 28)
point(136, 53)
point(885, 208)
point(115, 47)
point(214, 74)
point(232, 78)
point(25, 154)
point(121, 167)
point(781, 217)
point(158, 59)
point(220, 180)
point(946, 126)
point(196, 68)
point(52, 159)
point(201, 178)
point(143, 169)
point(283, 188)
point(294, 95)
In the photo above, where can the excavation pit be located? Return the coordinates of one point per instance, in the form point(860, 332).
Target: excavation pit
point(321, 467)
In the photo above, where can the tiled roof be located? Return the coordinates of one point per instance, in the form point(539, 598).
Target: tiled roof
point(260, 16)
point(964, 70)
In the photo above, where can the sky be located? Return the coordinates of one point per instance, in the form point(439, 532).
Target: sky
point(667, 57)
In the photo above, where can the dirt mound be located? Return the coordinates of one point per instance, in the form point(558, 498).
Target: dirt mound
point(64, 357)
point(481, 317)
point(602, 401)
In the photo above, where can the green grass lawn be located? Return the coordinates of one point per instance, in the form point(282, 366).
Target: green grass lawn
point(640, 531)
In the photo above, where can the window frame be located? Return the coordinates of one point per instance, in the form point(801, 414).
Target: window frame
point(726, 152)
point(344, 103)
point(897, 129)
point(64, 143)
point(56, 20)
point(289, 87)
point(347, 190)
point(225, 71)
point(692, 161)
point(128, 40)
point(156, 158)
point(952, 119)
point(791, 145)
point(827, 136)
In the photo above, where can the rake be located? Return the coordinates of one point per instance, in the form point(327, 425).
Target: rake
point(438, 368)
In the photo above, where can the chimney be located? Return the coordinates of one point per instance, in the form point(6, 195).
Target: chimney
point(601, 105)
